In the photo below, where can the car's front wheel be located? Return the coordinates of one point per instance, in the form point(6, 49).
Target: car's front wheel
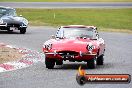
point(100, 60)
point(22, 30)
point(92, 63)
point(49, 63)
point(59, 62)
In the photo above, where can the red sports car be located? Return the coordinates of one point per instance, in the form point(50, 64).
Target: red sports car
point(74, 43)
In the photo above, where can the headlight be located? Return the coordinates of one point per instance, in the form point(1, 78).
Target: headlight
point(1, 21)
point(25, 21)
point(90, 47)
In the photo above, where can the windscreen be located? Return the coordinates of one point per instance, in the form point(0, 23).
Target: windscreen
point(76, 32)
point(7, 12)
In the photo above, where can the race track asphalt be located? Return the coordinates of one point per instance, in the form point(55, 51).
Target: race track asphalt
point(54, 5)
point(118, 60)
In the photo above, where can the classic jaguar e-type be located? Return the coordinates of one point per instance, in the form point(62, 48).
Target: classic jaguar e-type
point(10, 21)
point(75, 43)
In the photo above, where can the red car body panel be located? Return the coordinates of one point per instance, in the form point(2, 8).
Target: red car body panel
point(74, 45)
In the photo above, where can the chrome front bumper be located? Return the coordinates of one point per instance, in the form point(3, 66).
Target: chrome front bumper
point(80, 53)
point(3, 25)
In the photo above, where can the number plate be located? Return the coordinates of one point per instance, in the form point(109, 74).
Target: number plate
point(13, 28)
point(68, 56)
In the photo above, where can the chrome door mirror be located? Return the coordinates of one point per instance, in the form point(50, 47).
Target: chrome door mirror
point(97, 36)
point(52, 36)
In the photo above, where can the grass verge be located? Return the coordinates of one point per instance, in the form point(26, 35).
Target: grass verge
point(117, 19)
point(65, 0)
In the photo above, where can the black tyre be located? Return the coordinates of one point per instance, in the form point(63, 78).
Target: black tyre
point(100, 60)
point(49, 63)
point(92, 63)
point(22, 30)
point(10, 31)
point(59, 62)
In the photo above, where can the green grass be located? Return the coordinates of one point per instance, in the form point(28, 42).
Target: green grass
point(117, 19)
point(65, 0)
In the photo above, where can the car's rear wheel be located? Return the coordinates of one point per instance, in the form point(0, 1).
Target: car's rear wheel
point(92, 63)
point(49, 63)
point(100, 60)
point(22, 30)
